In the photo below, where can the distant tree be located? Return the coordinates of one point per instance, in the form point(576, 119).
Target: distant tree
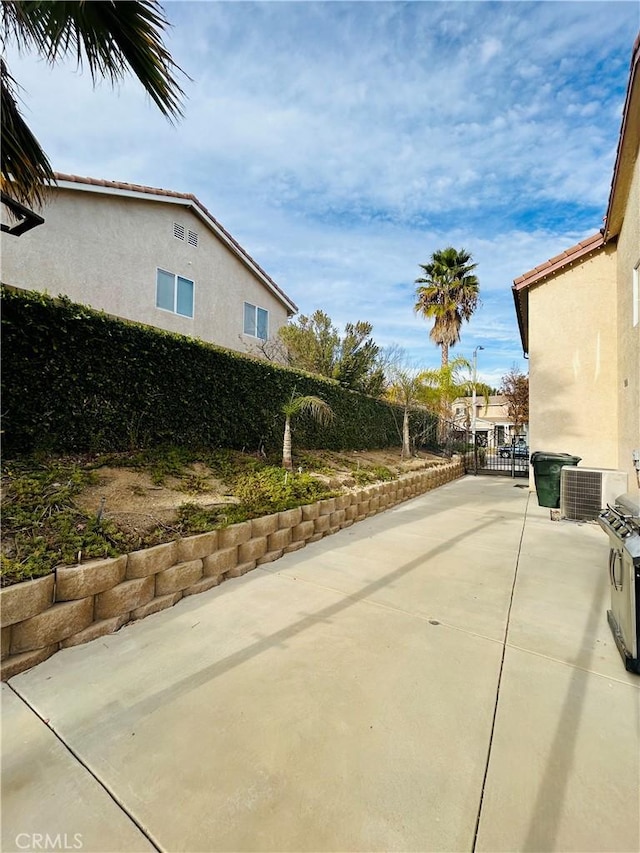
point(271, 349)
point(515, 387)
point(405, 389)
point(443, 384)
point(320, 410)
point(113, 37)
point(357, 363)
point(447, 293)
point(314, 344)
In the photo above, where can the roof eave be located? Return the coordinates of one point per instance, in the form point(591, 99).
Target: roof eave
point(521, 299)
point(627, 152)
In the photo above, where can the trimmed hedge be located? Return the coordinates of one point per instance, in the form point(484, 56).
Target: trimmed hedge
point(75, 380)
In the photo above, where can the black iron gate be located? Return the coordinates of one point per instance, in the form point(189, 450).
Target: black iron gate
point(508, 458)
point(490, 453)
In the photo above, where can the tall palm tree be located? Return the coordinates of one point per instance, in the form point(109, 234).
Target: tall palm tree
point(318, 408)
point(113, 37)
point(448, 294)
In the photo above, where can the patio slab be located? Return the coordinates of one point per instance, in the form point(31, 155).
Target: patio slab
point(456, 583)
point(283, 717)
point(46, 791)
point(343, 698)
point(565, 766)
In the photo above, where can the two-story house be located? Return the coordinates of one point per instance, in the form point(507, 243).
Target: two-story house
point(148, 255)
point(579, 319)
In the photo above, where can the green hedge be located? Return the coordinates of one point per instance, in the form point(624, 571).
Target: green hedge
point(75, 380)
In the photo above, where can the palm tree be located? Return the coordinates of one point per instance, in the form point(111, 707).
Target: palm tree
point(404, 389)
point(320, 410)
point(113, 37)
point(444, 384)
point(448, 294)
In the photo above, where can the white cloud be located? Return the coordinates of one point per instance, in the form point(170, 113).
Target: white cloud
point(342, 143)
point(489, 48)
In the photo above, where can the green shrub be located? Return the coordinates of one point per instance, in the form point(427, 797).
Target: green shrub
point(42, 526)
point(76, 380)
point(193, 518)
point(274, 489)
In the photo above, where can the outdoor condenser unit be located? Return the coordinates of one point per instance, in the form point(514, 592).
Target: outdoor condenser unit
point(584, 492)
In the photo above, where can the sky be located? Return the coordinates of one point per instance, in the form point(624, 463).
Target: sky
point(342, 143)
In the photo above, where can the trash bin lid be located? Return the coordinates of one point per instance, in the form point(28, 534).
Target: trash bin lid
point(548, 455)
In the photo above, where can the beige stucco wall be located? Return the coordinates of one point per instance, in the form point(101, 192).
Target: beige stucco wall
point(572, 362)
point(104, 250)
point(628, 386)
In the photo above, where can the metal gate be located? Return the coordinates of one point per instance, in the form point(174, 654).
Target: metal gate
point(489, 456)
point(491, 453)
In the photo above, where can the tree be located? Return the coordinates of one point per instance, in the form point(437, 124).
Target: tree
point(404, 389)
point(448, 294)
point(113, 37)
point(446, 384)
point(320, 410)
point(314, 344)
point(515, 387)
point(357, 365)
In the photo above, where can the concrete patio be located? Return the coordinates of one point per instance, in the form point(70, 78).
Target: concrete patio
point(438, 677)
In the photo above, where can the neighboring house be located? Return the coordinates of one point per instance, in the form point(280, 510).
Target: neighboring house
point(579, 318)
point(492, 418)
point(149, 255)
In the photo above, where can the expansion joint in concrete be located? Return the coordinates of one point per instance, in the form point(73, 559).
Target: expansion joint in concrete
point(504, 650)
point(83, 764)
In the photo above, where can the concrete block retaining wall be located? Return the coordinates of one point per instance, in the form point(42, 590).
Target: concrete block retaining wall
point(77, 604)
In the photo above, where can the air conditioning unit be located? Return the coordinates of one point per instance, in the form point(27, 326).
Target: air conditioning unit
point(584, 492)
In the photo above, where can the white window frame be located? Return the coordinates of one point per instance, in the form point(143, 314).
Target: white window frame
point(254, 333)
point(174, 310)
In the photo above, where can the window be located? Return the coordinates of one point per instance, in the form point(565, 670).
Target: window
point(174, 293)
point(256, 321)
point(636, 294)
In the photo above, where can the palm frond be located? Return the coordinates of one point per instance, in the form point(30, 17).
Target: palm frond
point(113, 37)
point(25, 169)
point(447, 293)
point(318, 408)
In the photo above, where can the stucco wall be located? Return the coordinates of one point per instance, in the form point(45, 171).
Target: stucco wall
point(104, 250)
point(572, 362)
point(628, 386)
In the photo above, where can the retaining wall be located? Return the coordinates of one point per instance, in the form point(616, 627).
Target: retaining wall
point(77, 604)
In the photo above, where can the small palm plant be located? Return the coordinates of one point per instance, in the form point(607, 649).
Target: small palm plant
point(320, 410)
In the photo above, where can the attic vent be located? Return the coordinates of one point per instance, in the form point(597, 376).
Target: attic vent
point(178, 231)
point(193, 238)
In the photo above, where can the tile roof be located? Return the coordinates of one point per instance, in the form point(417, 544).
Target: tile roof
point(191, 200)
point(558, 262)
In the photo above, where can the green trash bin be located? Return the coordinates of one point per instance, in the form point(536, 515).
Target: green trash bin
point(546, 471)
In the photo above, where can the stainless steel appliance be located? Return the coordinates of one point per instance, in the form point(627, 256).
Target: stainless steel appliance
point(622, 523)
